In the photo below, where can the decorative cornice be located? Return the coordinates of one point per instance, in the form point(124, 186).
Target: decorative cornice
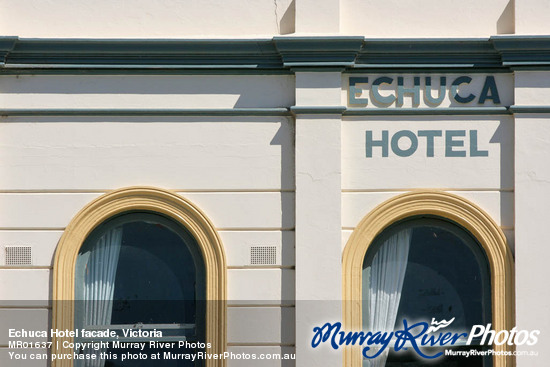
point(281, 54)
point(523, 51)
point(6, 45)
point(422, 53)
point(433, 69)
point(337, 51)
point(150, 53)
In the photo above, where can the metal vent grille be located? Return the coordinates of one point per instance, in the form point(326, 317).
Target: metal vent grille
point(263, 255)
point(18, 255)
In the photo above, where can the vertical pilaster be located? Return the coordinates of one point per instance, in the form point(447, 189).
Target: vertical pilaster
point(532, 198)
point(318, 212)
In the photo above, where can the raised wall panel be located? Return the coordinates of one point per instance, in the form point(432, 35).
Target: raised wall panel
point(186, 153)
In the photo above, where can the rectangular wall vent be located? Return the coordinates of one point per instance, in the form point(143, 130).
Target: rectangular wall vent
point(18, 255)
point(263, 255)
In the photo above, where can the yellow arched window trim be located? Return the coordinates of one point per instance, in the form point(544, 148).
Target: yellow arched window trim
point(155, 200)
point(444, 205)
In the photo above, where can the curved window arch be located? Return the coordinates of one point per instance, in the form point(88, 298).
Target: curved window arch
point(451, 208)
point(422, 268)
point(123, 226)
point(141, 270)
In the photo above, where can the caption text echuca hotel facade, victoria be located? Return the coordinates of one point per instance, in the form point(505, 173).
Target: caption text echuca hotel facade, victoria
point(262, 168)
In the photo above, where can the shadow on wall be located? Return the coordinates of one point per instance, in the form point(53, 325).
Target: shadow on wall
point(288, 318)
point(246, 91)
point(506, 22)
point(503, 136)
point(287, 23)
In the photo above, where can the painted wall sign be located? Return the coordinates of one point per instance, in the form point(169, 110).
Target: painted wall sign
point(384, 91)
point(404, 143)
point(384, 152)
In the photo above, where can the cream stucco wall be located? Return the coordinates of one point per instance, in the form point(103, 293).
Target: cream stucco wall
point(230, 19)
point(299, 181)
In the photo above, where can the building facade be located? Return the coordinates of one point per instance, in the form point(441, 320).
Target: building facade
point(273, 154)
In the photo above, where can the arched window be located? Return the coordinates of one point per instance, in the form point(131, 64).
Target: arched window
point(141, 271)
point(129, 253)
point(421, 269)
point(420, 219)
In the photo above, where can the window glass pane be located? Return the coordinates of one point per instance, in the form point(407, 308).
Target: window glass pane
point(444, 275)
point(154, 265)
point(141, 271)
point(443, 279)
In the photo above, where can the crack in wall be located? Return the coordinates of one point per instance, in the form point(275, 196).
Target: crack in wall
point(277, 17)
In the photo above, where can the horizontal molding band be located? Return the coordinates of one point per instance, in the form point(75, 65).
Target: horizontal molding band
point(267, 112)
point(52, 229)
point(504, 228)
point(22, 229)
point(179, 191)
point(16, 307)
point(146, 112)
point(440, 67)
point(520, 64)
point(228, 229)
point(23, 267)
point(294, 110)
point(321, 65)
point(316, 69)
point(523, 51)
point(193, 67)
point(530, 67)
point(183, 191)
point(427, 111)
point(439, 189)
point(318, 51)
point(275, 53)
point(317, 110)
point(32, 69)
point(530, 109)
point(428, 69)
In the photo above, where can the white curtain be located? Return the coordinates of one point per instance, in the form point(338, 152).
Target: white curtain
point(99, 283)
point(382, 284)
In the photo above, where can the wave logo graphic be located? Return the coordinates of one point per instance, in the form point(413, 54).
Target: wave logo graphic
point(439, 325)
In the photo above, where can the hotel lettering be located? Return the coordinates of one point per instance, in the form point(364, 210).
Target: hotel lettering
point(392, 91)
